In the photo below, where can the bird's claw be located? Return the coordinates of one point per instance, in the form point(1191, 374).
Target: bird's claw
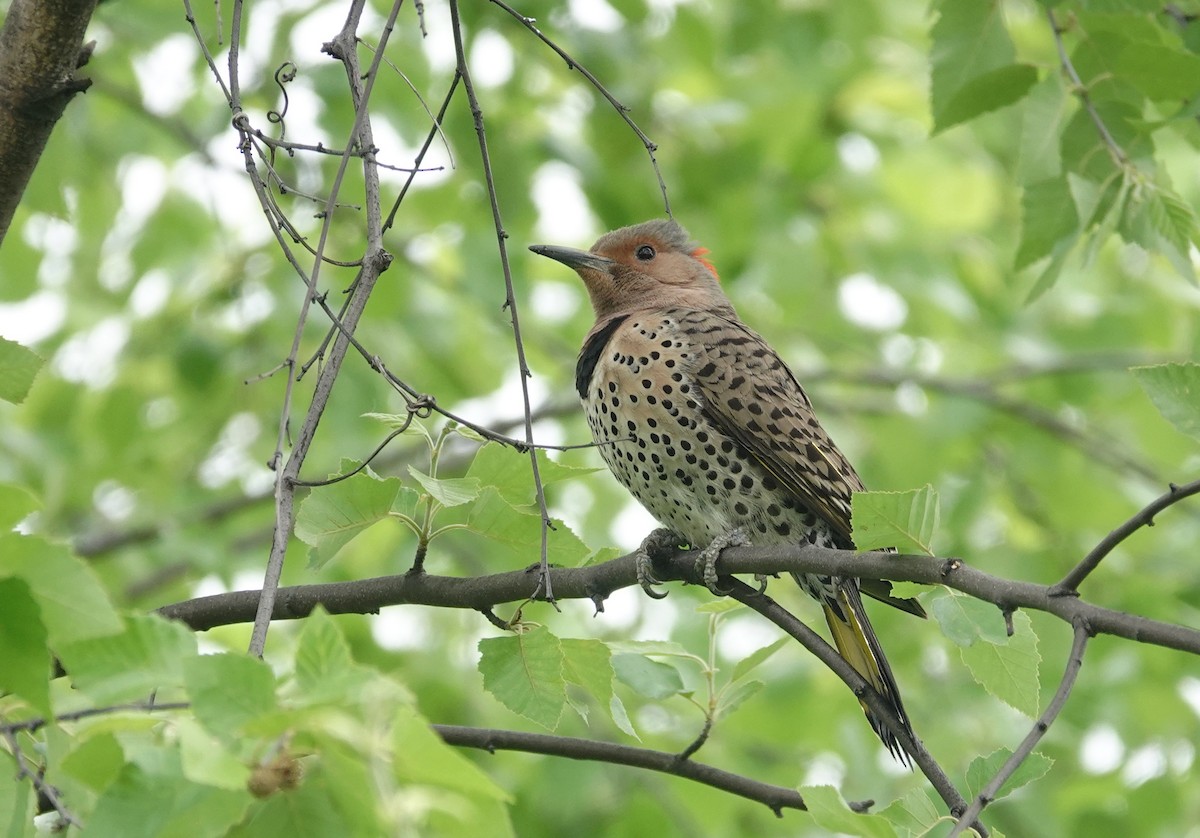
point(658, 543)
point(706, 564)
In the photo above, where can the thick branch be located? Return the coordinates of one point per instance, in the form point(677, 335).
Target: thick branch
point(41, 47)
point(777, 798)
point(596, 582)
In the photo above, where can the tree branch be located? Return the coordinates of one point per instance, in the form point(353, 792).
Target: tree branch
point(41, 47)
point(777, 798)
point(596, 582)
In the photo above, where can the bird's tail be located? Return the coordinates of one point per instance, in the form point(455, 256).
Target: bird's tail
point(856, 642)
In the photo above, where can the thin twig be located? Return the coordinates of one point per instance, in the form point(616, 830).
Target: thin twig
point(1143, 518)
point(988, 793)
point(622, 110)
point(510, 301)
point(1080, 89)
point(37, 777)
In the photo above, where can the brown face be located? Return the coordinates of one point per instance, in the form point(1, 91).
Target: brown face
point(649, 265)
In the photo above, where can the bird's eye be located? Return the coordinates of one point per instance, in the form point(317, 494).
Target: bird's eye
point(645, 253)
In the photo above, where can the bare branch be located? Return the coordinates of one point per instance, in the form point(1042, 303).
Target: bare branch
point(1144, 518)
point(777, 798)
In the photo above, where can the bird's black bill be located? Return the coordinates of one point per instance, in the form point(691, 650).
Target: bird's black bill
point(573, 258)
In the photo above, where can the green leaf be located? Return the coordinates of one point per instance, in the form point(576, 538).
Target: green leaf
point(748, 663)
point(718, 606)
point(830, 812)
point(325, 670)
point(982, 769)
point(1008, 670)
point(421, 757)
point(149, 655)
point(588, 663)
point(966, 620)
point(510, 472)
point(985, 92)
point(1159, 72)
point(1175, 391)
point(970, 42)
point(525, 673)
point(16, 504)
point(1040, 153)
point(909, 590)
point(620, 717)
point(96, 762)
point(18, 367)
point(914, 813)
point(72, 601)
point(1047, 217)
point(650, 678)
point(521, 532)
point(448, 491)
point(736, 696)
point(229, 691)
point(331, 516)
point(26, 669)
point(906, 521)
point(206, 760)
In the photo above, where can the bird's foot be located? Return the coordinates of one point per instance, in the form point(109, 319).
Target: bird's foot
point(661, 542)
point(706, 565)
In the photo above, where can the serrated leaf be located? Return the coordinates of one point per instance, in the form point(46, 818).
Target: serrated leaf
point(26, 668)
point(18, 367)
point(520, 531)
point(228, 691)
point(984, 93)
point(525, 673)
point(966, 620)
point(1175, 391)
point(752, 660)
point(448, 491)
point(914, 813)
point(906, 521)
point(649, 647)
point(830, 812)
point(511, 474)
point(73, 603)
point(1047, 217)
point(148, 655)
point(982, 769)
point(650, 678)
point(737, 695)
point(588, 663)
point(1009, 671)
point(969, 41)
point(332, 516)
point(1040, 154)
point(325, 672)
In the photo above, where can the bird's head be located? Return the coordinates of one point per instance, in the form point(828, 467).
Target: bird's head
point(647, 266)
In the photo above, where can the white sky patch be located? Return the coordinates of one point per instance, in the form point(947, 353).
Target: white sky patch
point(253, 305)
point(230, 457)
point(1145, 763)
point(57, 239)
point(555, 302)
point(741, 635)
point(401, 629)
point(114, 501)
point(160, 412)
point(226, 191)
point(857, 153)
point(1101, 750)
point(165, 74)
point(631, 525)
point(596, 15)
point(35, 318)
point(143, 183)
point(439, 46)
point(564, 216)
point(90, 357)
point(150, 294)
point(867, 302)
point(825, 769)
point(911, 399)
point(491, 59)
point(1189, 691)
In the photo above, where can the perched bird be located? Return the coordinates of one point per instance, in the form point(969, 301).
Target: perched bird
point(708, 428)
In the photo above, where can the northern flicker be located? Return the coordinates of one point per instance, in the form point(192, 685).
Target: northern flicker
point(708, 428)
